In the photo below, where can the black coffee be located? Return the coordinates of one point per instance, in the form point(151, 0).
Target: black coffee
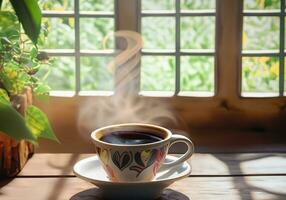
point(130, 137)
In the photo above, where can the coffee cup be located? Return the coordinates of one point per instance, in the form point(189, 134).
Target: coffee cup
point(134, 152)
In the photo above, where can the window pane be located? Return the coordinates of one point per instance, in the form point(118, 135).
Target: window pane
point(96, 5)
point(285, 35)
point(260, 74)
point(158, 73)
point(197, 73)
point(195, 4)
point(197, 32)
point(261, 4)
point(58, 5)
point(60, 33)
point(158, 5)
point(158, 32)
point(94, 74)
point(93, 31)
point(261, 33)
point(61, 73)
point(284, 76)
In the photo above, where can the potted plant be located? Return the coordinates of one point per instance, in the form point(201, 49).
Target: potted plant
point(21, 123)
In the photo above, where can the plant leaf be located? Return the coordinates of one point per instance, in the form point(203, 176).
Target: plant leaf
point(4, 96)
point(39, 124)
point(29, 14)
point(42, 89)
point(1, 4)
point(13, 124)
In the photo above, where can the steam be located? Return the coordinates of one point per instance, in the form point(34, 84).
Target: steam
point(125, 105)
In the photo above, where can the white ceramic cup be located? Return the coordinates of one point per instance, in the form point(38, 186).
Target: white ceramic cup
point(140, 162)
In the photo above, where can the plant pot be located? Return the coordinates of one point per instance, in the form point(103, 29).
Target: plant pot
point(14, 154)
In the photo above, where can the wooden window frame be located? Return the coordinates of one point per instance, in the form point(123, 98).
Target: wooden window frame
point(224, 122)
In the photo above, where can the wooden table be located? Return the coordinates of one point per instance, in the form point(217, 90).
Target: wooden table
point(214, 177)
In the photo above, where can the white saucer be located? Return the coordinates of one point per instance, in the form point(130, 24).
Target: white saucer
point(89, 169)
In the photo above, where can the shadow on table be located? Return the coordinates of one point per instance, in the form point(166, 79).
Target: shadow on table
point(246, 189)
point(95, 194)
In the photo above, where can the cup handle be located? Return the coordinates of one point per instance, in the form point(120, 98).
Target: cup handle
point(180, 139)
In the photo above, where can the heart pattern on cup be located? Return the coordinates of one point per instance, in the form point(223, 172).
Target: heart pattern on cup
point(104, 155)
point(143, 160)
point(146, 158)
point(122, 160)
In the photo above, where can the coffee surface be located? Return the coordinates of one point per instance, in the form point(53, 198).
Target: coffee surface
point(130, 137)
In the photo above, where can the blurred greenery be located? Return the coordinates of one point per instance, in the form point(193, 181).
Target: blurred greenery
point(197, 73)
point(263, 38)
point(197, 5)
point(158, 32)
point(260, 74)
point(60, 33)
point(198, 32)
point(58, 5)
point(158, 72)
point(96, 5)
point(261, 4)
point(60, 74)
point(94, 74)
point(158, 5)
point(93, 31)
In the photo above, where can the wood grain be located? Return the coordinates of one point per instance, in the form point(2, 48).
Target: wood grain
point(237, 123)
point(202, 164)
point(198, 188)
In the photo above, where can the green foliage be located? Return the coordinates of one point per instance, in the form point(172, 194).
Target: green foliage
point(96, 5)
point(56, 4)
point(38, 123)
point(197, 5)
point(4, 96)
point(151, 26)
point(198, 32)
point(94, 74)
point(158, 73)
point(19, 62)
point(58, 33)
point(197, 73)
point(13, 123)
point(60, 74)
point(19, 57)
point(158, 5)
point(260, 74)
point(261, 4)
point(93, 31)
point(265, 37)
point(29, 15)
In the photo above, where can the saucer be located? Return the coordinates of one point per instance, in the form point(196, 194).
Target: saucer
point(90, 169)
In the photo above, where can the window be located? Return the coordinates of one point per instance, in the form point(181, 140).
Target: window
point(74, 41)
point(184, 54)
point(263, 48)
point(179, 47)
